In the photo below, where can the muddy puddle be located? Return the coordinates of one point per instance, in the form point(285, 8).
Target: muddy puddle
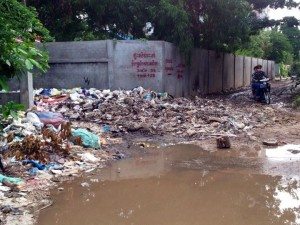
point(181, 185)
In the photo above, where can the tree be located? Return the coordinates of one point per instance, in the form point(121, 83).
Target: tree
point(257, 46)
point(290, 28)
point(19, 28)
point(295, 69)
point(171, 23)
point(269, 44)
point(262, 4)
point(84, 20)
point(221, 25)
point(281, 50)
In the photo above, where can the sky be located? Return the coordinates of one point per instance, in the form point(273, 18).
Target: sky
point(280, 13)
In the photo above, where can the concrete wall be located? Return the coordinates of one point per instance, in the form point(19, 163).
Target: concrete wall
point(273, 69)
point(11, 96)
point(175, 76)
point(138, 63)
point(228, 73)
point(247, 70)
point(105, 64)
point(203, 68)
point(260, 61)
point(194, 72)
point(215, 79)
point(254, 63)
point(277, 70)
point(75, 64)
point(170, 84)
point(239, 71)
point(155, 65)
point(25, 93)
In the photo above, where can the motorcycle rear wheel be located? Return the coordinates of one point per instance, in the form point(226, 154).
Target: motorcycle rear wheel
point(267, 97)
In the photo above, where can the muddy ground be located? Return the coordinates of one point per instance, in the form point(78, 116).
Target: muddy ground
point(181, 184)
point(281, 126)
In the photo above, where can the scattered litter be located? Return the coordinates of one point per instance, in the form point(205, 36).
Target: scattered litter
point(95, 180)
point(270, 143)
point(88, 157)
point(85, 184)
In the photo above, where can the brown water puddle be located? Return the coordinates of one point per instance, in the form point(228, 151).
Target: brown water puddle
point(179, 185)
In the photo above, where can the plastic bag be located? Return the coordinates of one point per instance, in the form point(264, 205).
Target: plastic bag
point(53, 118)
point(88, 139)
point(88, 157)
point(12, 180)
point(34, 119)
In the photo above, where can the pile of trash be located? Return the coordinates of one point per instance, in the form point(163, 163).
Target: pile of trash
point(38, 150)
point(41, 134)
point(64, 133)
point(64, 120)
point(22, 197)
point(154, 113)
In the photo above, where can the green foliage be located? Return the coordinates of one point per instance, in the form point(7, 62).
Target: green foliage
point(257, 46)
point(290, 28)
point(281, 50)
point(226, 24)
point(10, 109)
point(296, 102)
point(262, 4)
point(19, 28)
point(272, 45)
point(222, 25)
point(284, 70)
point(93, 19)
point(295, 69)
point(62, 18)
point(171, 23)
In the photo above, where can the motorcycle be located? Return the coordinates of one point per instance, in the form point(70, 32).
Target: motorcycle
point(262, 91)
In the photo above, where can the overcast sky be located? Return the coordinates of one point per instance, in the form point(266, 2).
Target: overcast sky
point(280, 13)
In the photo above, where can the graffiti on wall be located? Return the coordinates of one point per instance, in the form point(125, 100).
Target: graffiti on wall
point(145, 64)
point(178, 70)
point(169, 67)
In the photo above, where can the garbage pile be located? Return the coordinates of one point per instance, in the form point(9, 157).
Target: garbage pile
point(145, 111)
point(64, 133)
point(37, 150)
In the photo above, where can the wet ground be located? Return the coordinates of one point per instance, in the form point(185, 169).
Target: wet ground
point(184, 184)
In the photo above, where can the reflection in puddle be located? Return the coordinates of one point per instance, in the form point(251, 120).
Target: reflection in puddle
point(287, 193)
point(284, 153)
point(175, 186)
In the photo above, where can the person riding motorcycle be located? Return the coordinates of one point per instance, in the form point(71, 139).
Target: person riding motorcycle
point(257, 76)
